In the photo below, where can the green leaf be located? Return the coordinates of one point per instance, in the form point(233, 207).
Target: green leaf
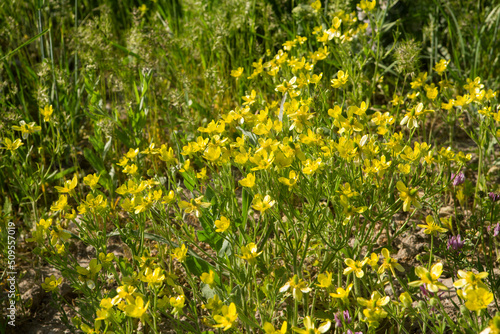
point(197, 266)
point(106, 148)
point(61, 174)
point(123, 137)
point(245, 205)
point(225, 249)
point(29, 41)
point(207, 291)
point(94, 160)
point(189, 180)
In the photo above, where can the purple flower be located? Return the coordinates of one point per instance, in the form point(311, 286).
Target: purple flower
point(496, 230)
point(338, 323)
point(455, 242)
point(494, 197)
point(458, 179)
point(347, 317)
point(351, 332)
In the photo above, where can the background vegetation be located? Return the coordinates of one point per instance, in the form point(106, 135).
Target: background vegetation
point(130, 75)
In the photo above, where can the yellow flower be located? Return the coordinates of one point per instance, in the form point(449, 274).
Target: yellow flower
point(375, 302)
point(431, 91)
point(237, 73)
point(346, 190)
point(212, 153)
point(169, 198)
point(47, 112)
point(44, 224)
point(249, 99)
point(27, 129)
point(167, 155)
point(11, 145)
point(202, 174)
point(311, 166)
point(136, 307)
point(152, 277)
point(366, 5)
point(132, 169)
point(103, 314)
point(310, 327)
point(409, 196)
point(298, 287)
point(389, 263)
point(180, 253)
point(325, 280)
point(249, 181)
point(262, 204)
point(131, 154)
point(287, 85)
point(106, 258)
point(291, 180)
point(178, 304)
point(469, 280)
point(350, 210)
point(411, 117)
point(441, 66)
point(419, 80)
point(373, 261)
point(123, 162)
point(222, 224)
point(68, 185)
point(213, 127)
point(51, 283)
point(396, 100)
point(430, 279)
point(194, 206)
point(269, 328)
point(478, 299)
point(355, 267)
point(341, 79)
point(316, 5)
point(250, 253)
point(92, 181)
point(208, 278)
point(91, 270)
point(431, 227)
point(228, 317)
point(373, 316)
point(343, 294)
point(61, 204)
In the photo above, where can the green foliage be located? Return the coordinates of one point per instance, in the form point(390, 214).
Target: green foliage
point(251, 166)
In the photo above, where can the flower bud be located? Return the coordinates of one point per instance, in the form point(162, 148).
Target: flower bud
point(434, 302)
